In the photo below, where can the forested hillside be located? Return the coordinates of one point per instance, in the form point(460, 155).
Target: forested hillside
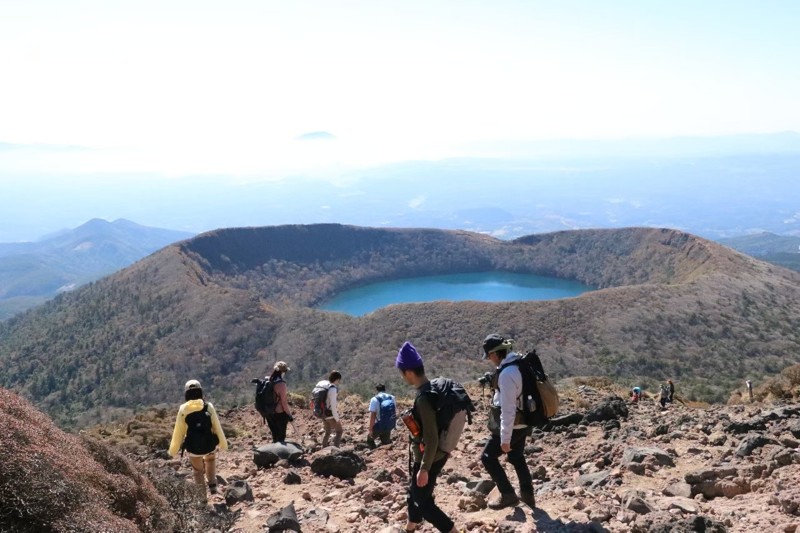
point(222, 307)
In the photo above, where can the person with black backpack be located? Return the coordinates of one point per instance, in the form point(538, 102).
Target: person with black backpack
point(428, 458)
point(272, 401)
point(198, 431)
point(507, 425)
point(382, 417)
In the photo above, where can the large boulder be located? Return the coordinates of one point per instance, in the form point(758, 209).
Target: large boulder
point(565, 420)
point(332, 461)
point(638, 455)
point(751, 442)
point(284, 520)
point(597, 479)
point(794, 428)
point(718, 482)
point(611, 408)
point(269, 454)
point(238, 491)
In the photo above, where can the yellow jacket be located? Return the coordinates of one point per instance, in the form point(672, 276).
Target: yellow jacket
point(179, 433)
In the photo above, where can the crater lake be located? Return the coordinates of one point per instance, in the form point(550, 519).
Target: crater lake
point(480, 286)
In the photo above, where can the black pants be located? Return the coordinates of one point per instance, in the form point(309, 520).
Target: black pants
point(384, 436)
point(277, 426)
point(491, 460)
point(421, 504)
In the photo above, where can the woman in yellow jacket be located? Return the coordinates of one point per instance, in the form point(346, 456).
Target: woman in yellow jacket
point(198, 431)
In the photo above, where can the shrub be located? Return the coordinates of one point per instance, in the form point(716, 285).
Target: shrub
point(596, 382)
point(53, 481)
point(792, 374)
point(187, 500)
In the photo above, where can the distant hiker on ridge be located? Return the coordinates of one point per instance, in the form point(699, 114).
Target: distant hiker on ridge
point(198, 431)
point(671, 391)
point(508, 431)
point(382, 417)
point(324, 404)
point(427, 464)
point(749, 385)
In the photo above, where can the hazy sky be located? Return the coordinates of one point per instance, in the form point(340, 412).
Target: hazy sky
point(179, 87)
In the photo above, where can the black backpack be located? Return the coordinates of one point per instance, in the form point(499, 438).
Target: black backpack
point(449, 398)
point(200, 437)
point(266, 401)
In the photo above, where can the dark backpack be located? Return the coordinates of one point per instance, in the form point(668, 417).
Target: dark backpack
point(319, 399)
point(266, 400)
point(539, 397)
point(200, 437)
point(450, 401)
point(387, 412)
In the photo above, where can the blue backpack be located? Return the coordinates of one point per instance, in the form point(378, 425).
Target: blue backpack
point(387, 412)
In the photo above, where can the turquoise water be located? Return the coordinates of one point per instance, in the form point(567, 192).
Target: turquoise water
point(481, 286)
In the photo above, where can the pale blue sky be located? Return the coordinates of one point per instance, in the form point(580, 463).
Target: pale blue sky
point(179, 87)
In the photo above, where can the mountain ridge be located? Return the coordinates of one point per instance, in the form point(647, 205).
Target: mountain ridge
point(223, 306)
point(32, 272)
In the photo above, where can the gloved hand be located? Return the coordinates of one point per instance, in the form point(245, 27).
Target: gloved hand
point(291, 418)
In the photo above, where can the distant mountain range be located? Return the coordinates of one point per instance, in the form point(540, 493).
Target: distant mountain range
point(224, 306)
point(715, 187)
point(783, 250)
point(32, 272)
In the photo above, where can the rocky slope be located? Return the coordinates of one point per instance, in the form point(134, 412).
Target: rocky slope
point(604, 465)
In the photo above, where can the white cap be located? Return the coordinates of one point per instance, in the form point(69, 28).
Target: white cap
point(192, 384)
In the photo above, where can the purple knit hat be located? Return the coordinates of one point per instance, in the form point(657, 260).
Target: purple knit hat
point(407, 357)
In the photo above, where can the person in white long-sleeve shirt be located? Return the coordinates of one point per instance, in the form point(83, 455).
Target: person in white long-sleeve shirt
point(331, 419)
point(505, 423)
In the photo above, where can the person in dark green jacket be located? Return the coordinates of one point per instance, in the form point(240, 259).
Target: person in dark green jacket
point(428, 458)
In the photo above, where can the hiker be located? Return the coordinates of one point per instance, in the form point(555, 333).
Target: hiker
point(508, 431)
point(671, 391)
point(382, 417)
point(636, 394)
point(198, 431)
point(428, 459)
point(279, 420)
point(329, 411)
point(664, 396)
point(749, 385)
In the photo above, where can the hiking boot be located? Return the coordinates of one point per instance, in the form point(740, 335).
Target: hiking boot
point(212, 488)
point(503, 501)
point(528, 499)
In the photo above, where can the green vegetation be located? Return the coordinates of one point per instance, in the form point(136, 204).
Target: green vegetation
point(223, 307)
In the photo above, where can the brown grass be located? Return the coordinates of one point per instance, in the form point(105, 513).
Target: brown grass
point(53, 481)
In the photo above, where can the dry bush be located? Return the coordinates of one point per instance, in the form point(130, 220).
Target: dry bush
point(52, 481)
point(595, 382)
point(696, 404)
point(736, 398)
point(188, 502)
point(772, 389)
point(582, 403)
point(353, 403)
point(298, 400)
point(792, 374)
